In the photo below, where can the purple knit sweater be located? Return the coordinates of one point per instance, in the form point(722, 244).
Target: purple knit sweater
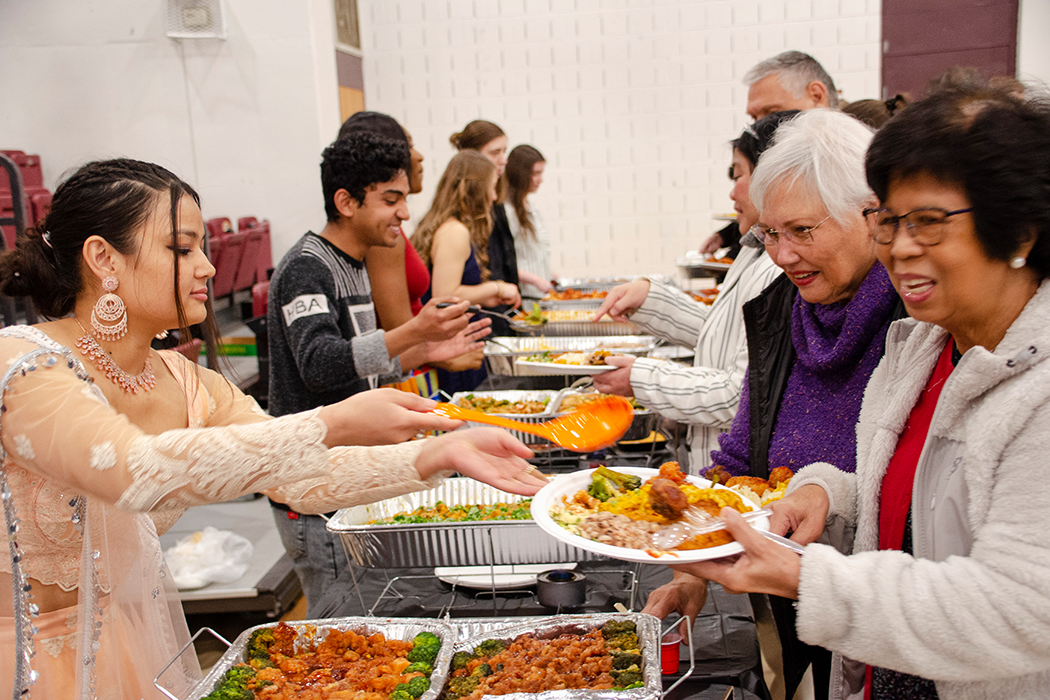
point(838, 347)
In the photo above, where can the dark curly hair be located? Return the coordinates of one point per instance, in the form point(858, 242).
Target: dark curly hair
point(112, 199)
point(991, 144)
point(357, 162)
point(375, 122)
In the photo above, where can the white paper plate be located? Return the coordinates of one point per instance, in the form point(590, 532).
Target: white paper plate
point(569, 484)
point(546, 368)
point(500, 578)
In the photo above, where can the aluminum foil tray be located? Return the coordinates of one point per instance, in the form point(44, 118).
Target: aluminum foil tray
point(447, 544)
point(501, 353)
point(512, 395)
point(644, 421)
point(570, 303)
point(473, 632)
point(391, 628)
point(592, 282)
point(561, 328)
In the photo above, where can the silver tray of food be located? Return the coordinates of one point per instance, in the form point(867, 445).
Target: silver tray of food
point(550, 630)
point(502, 354)
point(520, 405)
point(561, 322)
point(694, 266)
point(470, 543)
point(573, 298)
point(591, 282)
point(642, 425)
point(315, 631)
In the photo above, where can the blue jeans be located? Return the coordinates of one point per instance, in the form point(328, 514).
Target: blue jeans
point(320, 562)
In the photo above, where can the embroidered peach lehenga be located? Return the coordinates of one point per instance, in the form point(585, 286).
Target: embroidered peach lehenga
point(85, 493)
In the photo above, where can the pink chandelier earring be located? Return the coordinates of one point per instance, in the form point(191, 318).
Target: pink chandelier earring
point(109, 317)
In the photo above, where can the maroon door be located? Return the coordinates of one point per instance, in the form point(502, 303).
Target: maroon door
point(923, 38)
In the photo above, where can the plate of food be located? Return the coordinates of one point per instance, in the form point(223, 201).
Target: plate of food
point(582, 363)
point(617, 504)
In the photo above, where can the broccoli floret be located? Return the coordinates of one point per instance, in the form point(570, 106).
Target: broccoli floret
point(481, 670)
point(418, 685)
point(623, 660)
point(613, 628)
point(399, 694)
point(234, 685)
point(624, 482)
point(259, 644)
point(489, 648)
point(419, 667)
point(601, 488)
point(627, 679)
point(625, 641)
point(425, 648)
point(460, 659)
point(606, 484)
point(461, 687)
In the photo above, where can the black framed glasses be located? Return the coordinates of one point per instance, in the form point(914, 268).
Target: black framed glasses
point(925, 226)
point(799, 235)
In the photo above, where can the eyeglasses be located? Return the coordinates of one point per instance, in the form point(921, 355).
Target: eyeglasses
point(799, 235)
point(925, 226)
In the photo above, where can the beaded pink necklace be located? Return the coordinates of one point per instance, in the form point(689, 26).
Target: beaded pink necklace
point(130, 383)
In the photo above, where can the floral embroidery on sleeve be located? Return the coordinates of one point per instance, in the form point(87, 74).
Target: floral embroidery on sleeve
point(103, 456)
point(24, 447)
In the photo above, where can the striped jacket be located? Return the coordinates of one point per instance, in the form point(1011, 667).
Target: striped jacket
point(706, 395)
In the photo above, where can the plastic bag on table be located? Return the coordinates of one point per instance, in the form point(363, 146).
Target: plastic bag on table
point(208, 556)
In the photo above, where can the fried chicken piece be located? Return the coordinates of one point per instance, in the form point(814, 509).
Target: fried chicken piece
point(779, 475)
point(672, 471)
point(759, 486)
point(666, 499)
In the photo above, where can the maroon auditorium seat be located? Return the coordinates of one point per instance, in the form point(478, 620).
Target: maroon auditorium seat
point(229, 261)
point(245, 277)
point(246, 222)
point(260, 292)
point(265, 261)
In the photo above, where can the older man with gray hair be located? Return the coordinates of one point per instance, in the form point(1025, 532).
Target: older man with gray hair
point(791, 80)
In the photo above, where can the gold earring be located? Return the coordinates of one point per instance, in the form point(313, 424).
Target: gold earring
point(109, 317)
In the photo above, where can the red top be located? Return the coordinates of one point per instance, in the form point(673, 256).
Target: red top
point(897, 484)
point(417, 276)
point(895, 499)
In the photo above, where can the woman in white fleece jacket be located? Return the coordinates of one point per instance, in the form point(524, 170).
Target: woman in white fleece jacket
point(947, 593)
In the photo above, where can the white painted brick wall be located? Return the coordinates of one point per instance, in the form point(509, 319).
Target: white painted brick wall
point(631, 101)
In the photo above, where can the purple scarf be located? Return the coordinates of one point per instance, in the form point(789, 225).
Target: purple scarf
point(838, 347)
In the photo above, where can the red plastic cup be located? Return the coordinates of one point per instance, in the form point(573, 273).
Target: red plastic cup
point(670, 657)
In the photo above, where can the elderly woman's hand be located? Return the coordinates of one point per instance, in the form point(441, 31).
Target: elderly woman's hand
point(381, 417)
point(803, 513)
point(764, 567)
point(618, 381)
point(493, 456)
point(623, 299)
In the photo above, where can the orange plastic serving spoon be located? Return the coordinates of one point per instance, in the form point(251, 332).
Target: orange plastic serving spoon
point(594, 425)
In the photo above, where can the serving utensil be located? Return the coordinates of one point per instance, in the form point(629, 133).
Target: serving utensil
point(697, 522)
point(478, 310)
point(591, 427)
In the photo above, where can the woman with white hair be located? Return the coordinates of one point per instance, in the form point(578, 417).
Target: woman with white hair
point(814, 335)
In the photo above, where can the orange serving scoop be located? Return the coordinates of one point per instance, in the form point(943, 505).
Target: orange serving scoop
point(596, 424)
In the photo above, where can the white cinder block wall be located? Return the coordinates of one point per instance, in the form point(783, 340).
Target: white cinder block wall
point(631, 101)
